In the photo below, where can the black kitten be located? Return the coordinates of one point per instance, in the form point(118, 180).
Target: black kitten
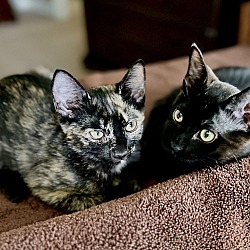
point(205, 123)
point(71, 146)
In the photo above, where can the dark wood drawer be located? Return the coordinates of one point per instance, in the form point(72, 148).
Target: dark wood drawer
point(119, 32)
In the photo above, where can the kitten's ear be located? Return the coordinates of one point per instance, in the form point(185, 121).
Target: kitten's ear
point(68, 93)
point(132, 86)
point(240, 104)
point(196, 75)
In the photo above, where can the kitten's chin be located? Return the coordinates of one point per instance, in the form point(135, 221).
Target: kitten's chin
point(118, 167)
point(187, 160)
point(193, 162)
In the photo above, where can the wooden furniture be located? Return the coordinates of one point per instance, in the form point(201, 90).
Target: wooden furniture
point(119, 32)
point(6, 12)
point(244, 24)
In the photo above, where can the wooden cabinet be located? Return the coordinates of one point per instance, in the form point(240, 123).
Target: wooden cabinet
point(6, 13)
point(120, 32)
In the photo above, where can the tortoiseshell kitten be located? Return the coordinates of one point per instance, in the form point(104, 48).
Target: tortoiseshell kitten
point(71, 146)
point(204, 123)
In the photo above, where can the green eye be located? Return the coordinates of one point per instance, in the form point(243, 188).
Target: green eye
point(177, 116)
point(131, 126)
point(207, 135)
point(96, 134)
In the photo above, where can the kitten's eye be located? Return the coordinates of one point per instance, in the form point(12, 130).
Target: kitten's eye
point(131, 126)
point(207, 135)
point(177, 116)
point(96, 134)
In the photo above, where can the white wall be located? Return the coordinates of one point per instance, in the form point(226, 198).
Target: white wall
point(58, 9)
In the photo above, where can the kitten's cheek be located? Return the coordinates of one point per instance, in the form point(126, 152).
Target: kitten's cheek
point(165, 142)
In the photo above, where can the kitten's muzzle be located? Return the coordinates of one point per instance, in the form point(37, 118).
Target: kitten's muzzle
point(119, 153)
point(177, 148)
point(174, 149)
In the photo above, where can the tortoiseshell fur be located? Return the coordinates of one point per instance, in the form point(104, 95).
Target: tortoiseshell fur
point(72, 146)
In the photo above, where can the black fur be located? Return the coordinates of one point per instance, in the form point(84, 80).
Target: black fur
point(176, 138)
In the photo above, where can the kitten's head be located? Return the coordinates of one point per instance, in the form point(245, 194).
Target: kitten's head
point(209, 120)
point(103, 125)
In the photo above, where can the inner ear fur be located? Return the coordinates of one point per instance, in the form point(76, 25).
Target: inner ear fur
point(198, 74)
point(240, 103)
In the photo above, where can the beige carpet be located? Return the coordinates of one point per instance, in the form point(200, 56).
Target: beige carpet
point(34, 40)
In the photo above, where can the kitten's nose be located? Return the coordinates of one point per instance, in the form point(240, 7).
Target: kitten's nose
point(177, 147)
point(119, 153)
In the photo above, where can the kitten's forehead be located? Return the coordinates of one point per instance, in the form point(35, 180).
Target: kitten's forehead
point(105, 124)
point(219, 91)
point(213, 94)
point(106, 100)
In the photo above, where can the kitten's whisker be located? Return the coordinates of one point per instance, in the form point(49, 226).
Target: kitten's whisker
point(236, 159)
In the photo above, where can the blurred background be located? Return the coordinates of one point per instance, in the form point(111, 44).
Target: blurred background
point(82, 36)
point(49, 33)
